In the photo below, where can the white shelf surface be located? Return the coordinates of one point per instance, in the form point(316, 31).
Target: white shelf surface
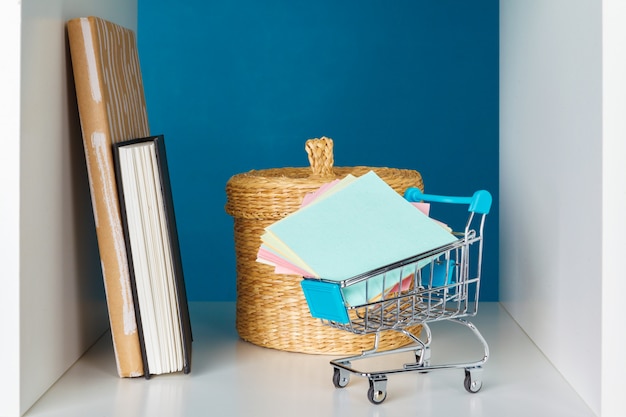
point(231, 377)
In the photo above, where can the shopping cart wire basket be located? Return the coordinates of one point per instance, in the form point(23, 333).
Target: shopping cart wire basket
point(441, 284)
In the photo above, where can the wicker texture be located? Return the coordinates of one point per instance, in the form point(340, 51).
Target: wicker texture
point(271, 309)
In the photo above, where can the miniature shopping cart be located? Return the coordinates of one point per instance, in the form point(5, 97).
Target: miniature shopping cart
point(441, 284)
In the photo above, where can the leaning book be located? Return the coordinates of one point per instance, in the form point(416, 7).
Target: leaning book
point(112, 108)
point(153, 251)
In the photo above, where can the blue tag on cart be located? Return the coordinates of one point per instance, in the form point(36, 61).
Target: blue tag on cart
point(325, 300)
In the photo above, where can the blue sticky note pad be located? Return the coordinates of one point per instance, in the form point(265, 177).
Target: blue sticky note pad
point(364, 226)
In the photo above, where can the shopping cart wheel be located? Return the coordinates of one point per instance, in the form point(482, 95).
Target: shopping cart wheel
point(377, 391)
point(341, 378)
point(472, 383)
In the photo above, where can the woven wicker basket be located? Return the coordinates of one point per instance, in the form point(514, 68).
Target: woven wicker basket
point(271, 309)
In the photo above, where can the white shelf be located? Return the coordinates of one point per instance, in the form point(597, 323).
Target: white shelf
point(233, 377)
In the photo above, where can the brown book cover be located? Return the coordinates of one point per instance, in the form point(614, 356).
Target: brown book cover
point(112, 109)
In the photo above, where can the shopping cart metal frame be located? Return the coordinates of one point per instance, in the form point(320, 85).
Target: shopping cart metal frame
point(441, 284)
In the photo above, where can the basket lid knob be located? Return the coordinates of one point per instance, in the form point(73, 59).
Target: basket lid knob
point(320, 152)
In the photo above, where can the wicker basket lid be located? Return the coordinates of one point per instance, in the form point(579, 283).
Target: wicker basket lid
point(276, 192)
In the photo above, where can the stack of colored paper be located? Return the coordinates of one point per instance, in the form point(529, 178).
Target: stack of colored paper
point(353, 226)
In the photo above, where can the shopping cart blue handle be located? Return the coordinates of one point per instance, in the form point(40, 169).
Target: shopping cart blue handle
point(480, 202)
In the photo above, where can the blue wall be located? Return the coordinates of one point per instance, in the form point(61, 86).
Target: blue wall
point(237, 85)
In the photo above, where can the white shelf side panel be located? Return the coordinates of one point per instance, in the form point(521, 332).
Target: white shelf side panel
point(9, 205)
point(551, 181)
point(613, 205)
point(62, 309)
